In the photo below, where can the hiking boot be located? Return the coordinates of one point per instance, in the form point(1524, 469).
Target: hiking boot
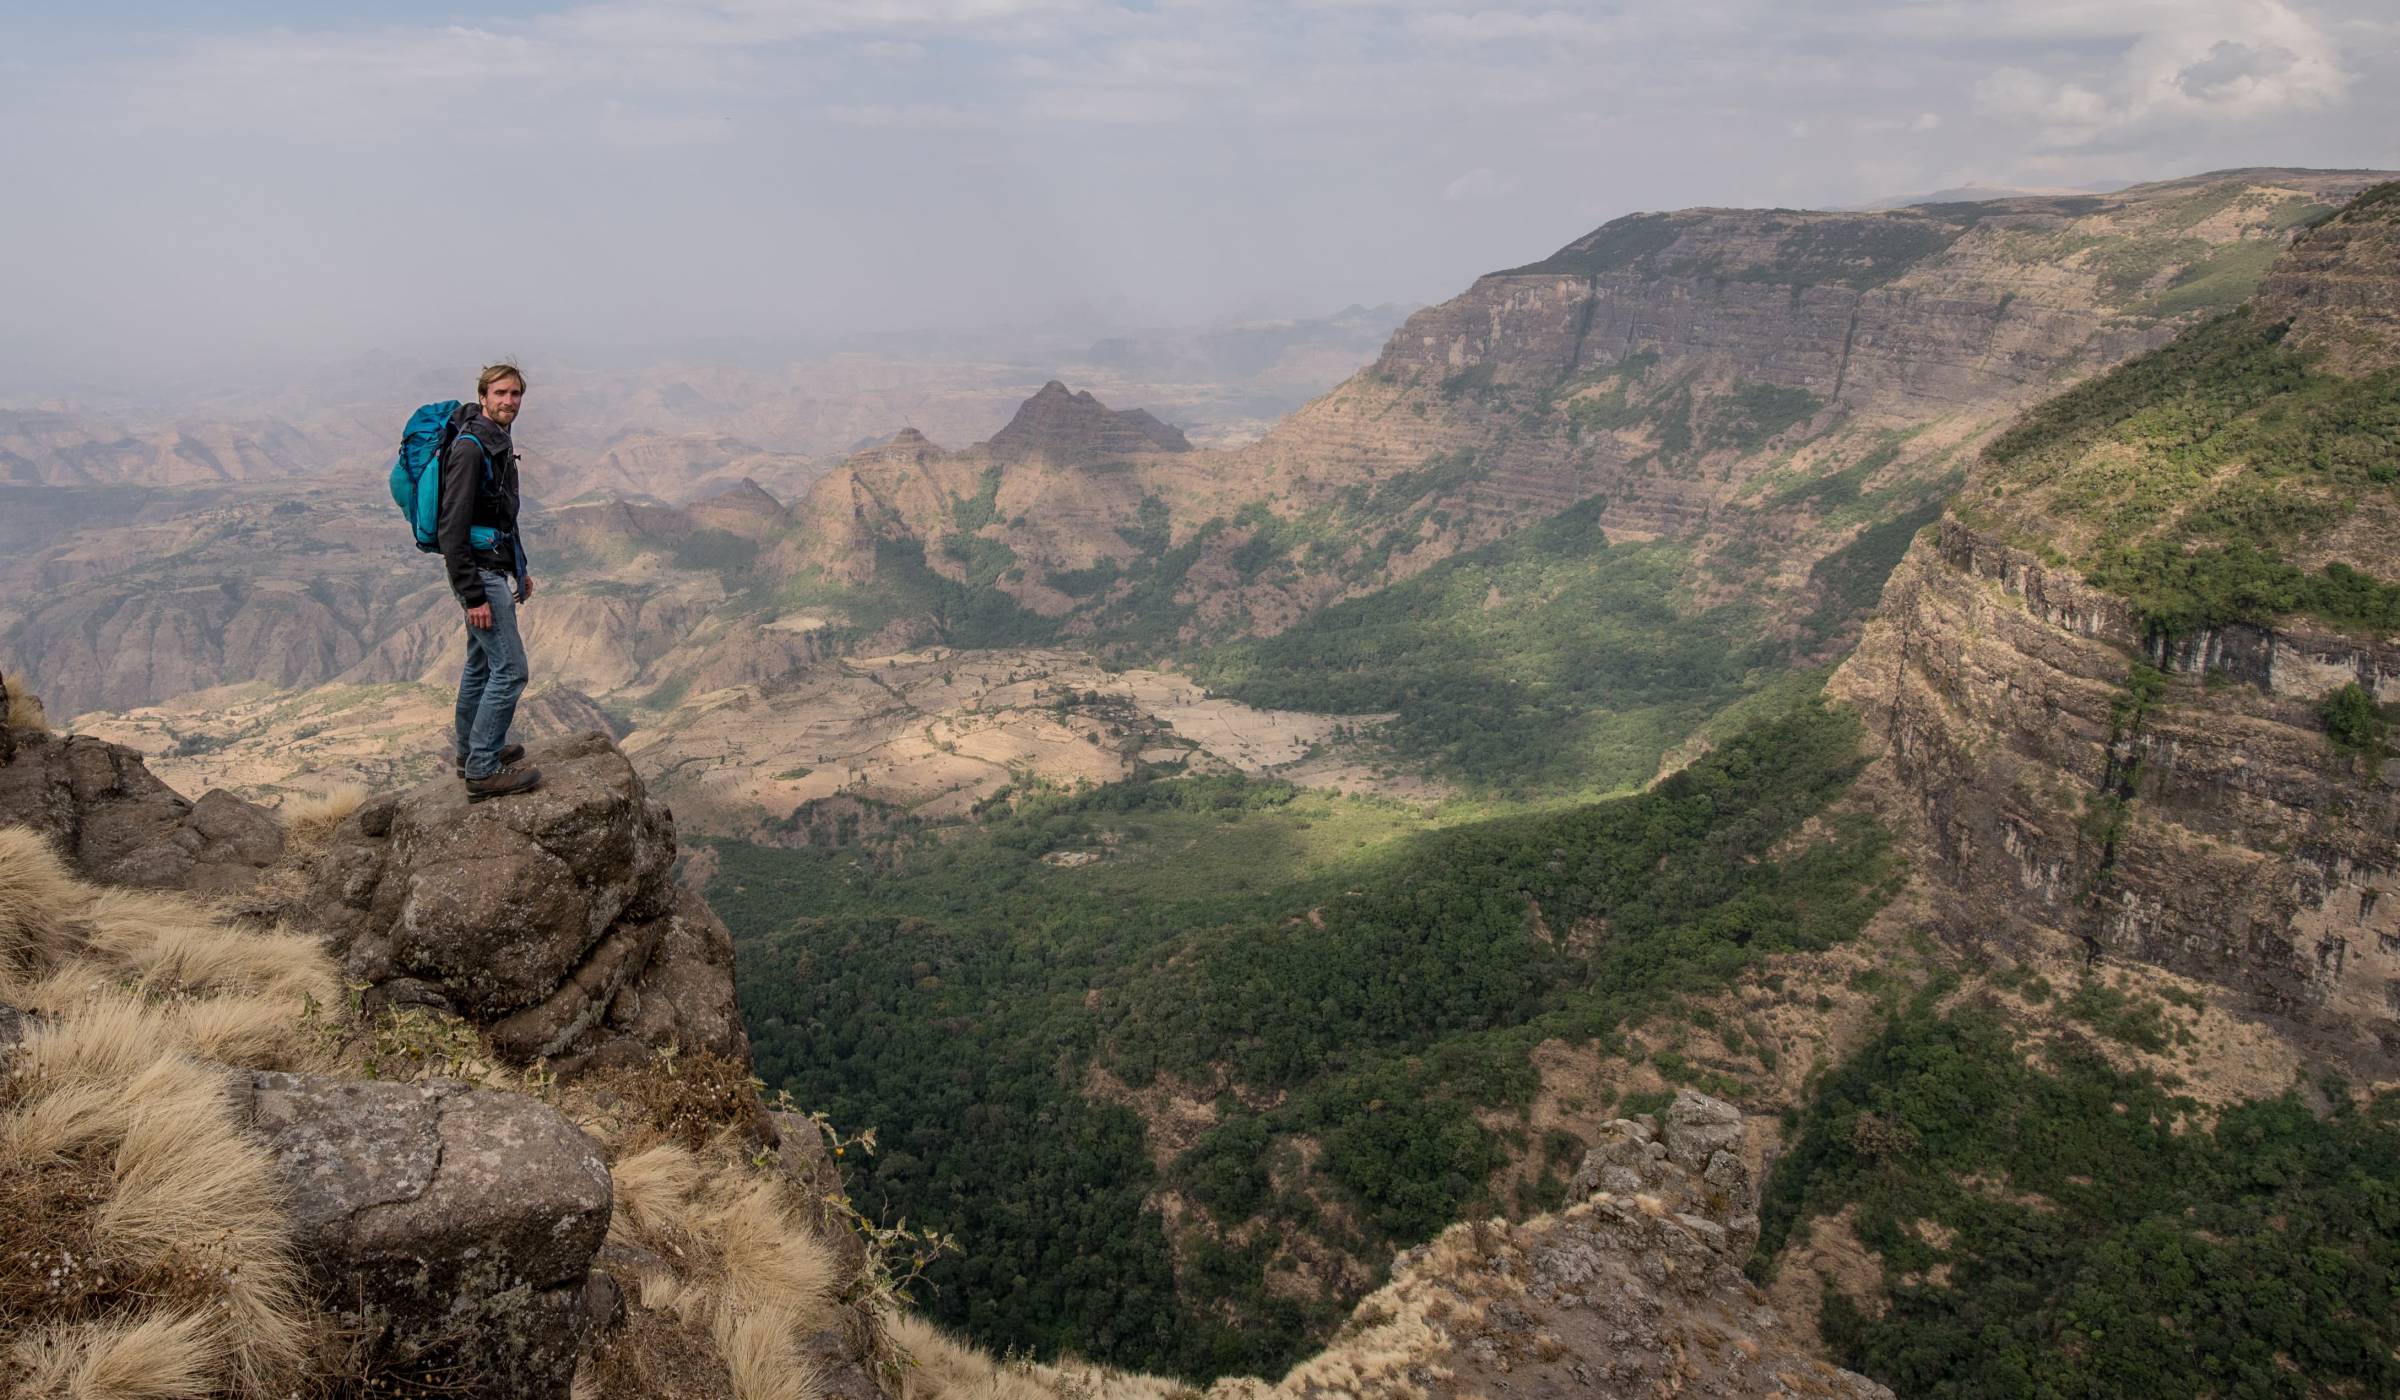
point(511, 756)
point(504, 783)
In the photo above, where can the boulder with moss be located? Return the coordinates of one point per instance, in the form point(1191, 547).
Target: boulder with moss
point(451, 1230)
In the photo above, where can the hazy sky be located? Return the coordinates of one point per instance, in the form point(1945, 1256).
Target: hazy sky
point(207, 184)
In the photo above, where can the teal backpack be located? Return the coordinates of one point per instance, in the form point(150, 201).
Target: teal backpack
point(417, 474)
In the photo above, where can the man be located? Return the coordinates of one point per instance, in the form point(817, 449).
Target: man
point(477, 533)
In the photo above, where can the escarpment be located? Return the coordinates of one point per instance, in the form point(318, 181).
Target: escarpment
point(2201, 821)
point(2134, 691)
point(1593, 371)
point(1758, 388)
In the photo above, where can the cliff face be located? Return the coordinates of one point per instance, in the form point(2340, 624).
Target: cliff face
point(2125, 711)
point(2340, 287)
point(2252, 853)
point(1635, 1288)
point(1895, 319)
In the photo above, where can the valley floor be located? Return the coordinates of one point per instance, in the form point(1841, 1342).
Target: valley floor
point(928, 734)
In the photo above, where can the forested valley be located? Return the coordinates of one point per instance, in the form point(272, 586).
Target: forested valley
point(1356, 981)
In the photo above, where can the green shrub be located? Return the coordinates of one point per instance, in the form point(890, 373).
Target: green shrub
point(2355, 725)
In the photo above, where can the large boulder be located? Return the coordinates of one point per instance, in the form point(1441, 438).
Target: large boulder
point(550, 919)
point(452, 1230)
point(120, 825)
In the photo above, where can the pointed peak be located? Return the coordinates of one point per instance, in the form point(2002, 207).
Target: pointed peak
point(746, 492)
point(1071, 427)
point(907, 445)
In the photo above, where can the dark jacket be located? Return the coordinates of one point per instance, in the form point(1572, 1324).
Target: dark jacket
point(476, 493)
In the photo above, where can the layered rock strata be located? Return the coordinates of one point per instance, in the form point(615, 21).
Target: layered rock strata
point(1072, 428)
point(2251, 853)
point(2339, 288)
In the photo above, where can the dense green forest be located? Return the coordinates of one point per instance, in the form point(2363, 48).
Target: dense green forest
point(2053, 1227)
point(1377, 974)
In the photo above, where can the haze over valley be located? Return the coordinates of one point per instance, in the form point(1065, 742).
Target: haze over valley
point(1765, 796)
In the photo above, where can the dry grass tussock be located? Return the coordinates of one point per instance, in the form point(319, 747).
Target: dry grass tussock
point(24, 707)
point(942, 1368)
point(308, 822)
point(728, 1250)
point(143, 1246)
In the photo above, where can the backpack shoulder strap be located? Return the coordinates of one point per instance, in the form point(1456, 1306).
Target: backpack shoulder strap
point(488, 478)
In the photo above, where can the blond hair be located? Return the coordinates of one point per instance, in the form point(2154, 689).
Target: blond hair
point(493, 374)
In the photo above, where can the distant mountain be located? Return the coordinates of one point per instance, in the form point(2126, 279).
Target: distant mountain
point(1976, 194)
point(51, 448)
point(1726, 422)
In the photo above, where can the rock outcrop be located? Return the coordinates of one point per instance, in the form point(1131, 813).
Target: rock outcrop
point(745, 508)
point(550, 920)
point(120, 825)
point(1635, 1289)
point(450, 1230)
point(1053, 486)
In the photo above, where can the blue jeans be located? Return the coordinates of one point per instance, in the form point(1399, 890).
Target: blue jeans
point(494, 678)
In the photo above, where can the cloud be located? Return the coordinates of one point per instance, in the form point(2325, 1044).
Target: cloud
point(668, 24)
point(1104, 106)
point(909, 116)
point(1509, 26)
point(2209, 61)
point(691, 155)
point(1482, 182)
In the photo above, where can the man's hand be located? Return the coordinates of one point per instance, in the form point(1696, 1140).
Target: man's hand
point(524, 588)
point(479, 617)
